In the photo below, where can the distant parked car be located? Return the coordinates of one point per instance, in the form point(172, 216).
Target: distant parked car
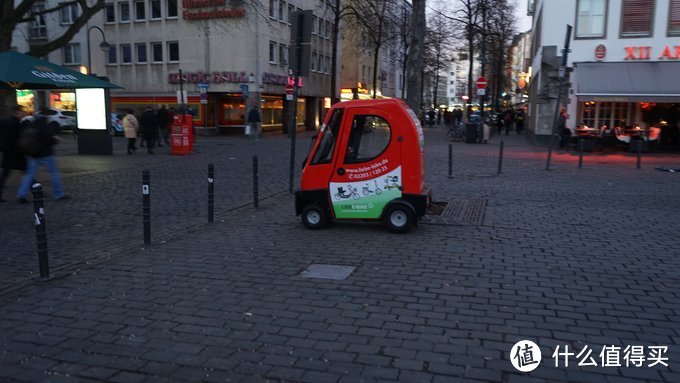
point(116, 124)
point(58, 119)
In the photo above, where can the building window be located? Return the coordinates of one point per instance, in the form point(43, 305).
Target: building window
point(124, 9)
point(312, 63)
point(69, 13)
point(291, 11)
point(72, 54)
point(282, 54)
point(173, 51)
point(141, 53)
point(38, 28)
point(637, 18)
point(591, 18)
point(140, 10)
point(282, 10)
point(110, 13)
point(157, 52)
point(156, 9)
point(272, 8)
point(112, 57)
point(597, 114)
point(272, 52)
point(171, 8)
point(674, 18)
point(125, 53)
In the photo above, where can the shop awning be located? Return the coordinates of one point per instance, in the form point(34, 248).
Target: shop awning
point(20, 71)
point(628, 81)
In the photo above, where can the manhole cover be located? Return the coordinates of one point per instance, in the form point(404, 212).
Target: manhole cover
point(468, 211)
point(318, 270)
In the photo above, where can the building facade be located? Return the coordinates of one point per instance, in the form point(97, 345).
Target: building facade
point(236, 51)
point(622, 68)
point(519, 65)
point(456, 92)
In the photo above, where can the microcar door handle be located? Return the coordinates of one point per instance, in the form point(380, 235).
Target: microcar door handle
point(341, 171)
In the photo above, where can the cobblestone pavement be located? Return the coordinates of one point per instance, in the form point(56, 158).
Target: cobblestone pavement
point(567, 257)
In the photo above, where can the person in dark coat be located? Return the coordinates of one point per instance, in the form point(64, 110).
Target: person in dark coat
point(163, 116)
point(519, 121)
point(255, 121)
point(149, 124)
point(508, 120)
point(13, 157)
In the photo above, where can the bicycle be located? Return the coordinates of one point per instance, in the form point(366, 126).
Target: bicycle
point(456, 133)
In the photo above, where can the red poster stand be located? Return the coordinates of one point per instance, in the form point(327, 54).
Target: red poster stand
point(181, 136)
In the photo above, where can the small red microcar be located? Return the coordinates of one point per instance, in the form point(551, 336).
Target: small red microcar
point(367, 163)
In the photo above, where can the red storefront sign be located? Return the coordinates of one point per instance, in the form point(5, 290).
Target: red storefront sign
point(645, 53)
point(600, 52)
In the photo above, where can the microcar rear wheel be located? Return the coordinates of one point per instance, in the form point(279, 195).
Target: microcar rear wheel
point(399, 218)
point(314, 217)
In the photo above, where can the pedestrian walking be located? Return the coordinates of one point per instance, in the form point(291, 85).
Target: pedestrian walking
point(130, 128)
point(508, 120)
point(254, 121)
point(13, 157)
point(38, 139)
point(149, 125)
point(519, 121)
point(564, 132)
point(163, 116)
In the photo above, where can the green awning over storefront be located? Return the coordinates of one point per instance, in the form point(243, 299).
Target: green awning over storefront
point(20, 71)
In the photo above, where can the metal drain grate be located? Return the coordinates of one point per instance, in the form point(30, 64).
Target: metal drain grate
point(468, 211)
point(318, 270)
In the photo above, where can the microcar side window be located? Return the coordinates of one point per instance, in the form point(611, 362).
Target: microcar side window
point(329, 135)
point(369, 137)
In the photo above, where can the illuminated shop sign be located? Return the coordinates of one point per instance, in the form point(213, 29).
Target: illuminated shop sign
point(209, 77)
point(645, 53)
point(211, 9)
point(230, 77)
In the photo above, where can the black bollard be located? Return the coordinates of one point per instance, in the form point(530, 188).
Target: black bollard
point(450, 161)
point(146, 206)
point(639, 155)
point(580, 153)
point(500, 158)
point(211, 192)
point(40, 230)
point(255, 183)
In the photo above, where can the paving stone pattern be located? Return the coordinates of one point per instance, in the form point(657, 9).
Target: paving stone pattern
point(567, 257)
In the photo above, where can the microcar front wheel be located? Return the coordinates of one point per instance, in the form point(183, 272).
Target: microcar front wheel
point(314, 217)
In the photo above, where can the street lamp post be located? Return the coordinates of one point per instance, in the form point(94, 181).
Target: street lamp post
point(104, 46)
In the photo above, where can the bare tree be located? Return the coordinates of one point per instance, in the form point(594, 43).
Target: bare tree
point(405, 36)
point(377, 20)
point(500, 31)
point(438, 49)
point(414, 63)
point(339, 11)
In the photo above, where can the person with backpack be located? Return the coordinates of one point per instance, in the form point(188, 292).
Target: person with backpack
point(38, 139)
point(13, 157)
